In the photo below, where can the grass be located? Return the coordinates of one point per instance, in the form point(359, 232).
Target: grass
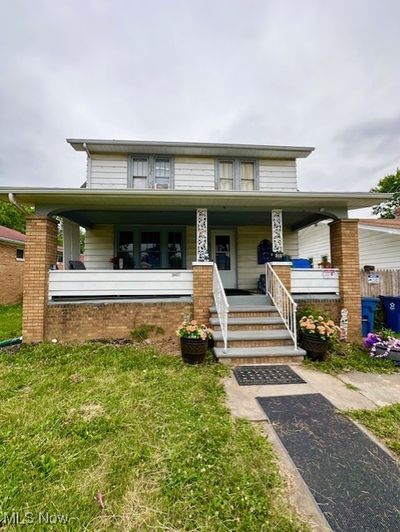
point(351, 357)
point(351, 386)
point(383, 422)
point(116, 437)
point(10, 321)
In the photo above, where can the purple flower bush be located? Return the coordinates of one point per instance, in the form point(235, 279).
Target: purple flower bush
point(371, 340)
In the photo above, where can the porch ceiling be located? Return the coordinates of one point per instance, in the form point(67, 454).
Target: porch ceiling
point(216, 218)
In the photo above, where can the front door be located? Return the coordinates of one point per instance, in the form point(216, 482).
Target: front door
point(223, 251)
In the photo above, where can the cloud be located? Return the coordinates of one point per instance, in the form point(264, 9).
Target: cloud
point(225, 71)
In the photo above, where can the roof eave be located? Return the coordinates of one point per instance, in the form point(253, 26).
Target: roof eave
point(191, 148)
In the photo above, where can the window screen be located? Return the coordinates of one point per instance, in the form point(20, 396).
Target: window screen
point(247, 176)
point(161, 173)
point(140, 172)
point(226, 175)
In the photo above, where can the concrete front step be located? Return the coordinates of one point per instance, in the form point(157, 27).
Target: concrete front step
point(260, 355)
point(258, 338)
point(252, 323)
point(279, 334)
point(247, 308)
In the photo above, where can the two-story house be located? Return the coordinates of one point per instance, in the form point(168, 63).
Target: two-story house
point(176, 229)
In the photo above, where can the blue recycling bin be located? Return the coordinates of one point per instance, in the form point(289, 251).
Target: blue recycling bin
point(391, 307)
point(368, 309)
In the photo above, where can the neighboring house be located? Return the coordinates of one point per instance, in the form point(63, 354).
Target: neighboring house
point(379, 242)
point(12, 249)
point(171, 228)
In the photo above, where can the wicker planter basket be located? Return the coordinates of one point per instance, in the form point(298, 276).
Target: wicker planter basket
point(193, 350)
point(315, 347)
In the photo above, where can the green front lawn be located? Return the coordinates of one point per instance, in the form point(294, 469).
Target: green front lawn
point(384, 422)
point(114, 437)
point(10, 321)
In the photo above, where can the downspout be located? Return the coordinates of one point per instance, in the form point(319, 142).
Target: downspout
point(89, 165)
point(13, 201)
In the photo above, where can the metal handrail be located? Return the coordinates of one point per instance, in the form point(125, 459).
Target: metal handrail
point(221, 304)
point(283, 301)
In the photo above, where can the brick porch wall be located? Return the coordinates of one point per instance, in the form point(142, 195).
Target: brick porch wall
point(11, 275)
point(345, 256)
point(202, 291)
point(325, 306)
point(40, 254)
point(284, 272)
point(79, 322)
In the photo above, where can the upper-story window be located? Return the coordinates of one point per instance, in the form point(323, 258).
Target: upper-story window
point(236, 174)
point(151, 172)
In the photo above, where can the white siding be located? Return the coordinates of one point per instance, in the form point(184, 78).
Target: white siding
point(99, 247)
point(278, 175)
point(191, 173)
point(190, 246)
point(379, 249)
point(196, 173)
point(108, 171)
point(248, 238)
point(314, 242)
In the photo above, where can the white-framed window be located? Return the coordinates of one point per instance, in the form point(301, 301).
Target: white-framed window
point(226, 175)
point(162, 173)
point(247, 175)
point(237, 174)
point(150, 172)
point(20, 254)
point(140, 172)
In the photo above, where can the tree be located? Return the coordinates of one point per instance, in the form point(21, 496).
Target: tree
point(389, 183)
point(11, 217)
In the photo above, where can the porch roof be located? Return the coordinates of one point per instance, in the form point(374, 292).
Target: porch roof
point(108, 199)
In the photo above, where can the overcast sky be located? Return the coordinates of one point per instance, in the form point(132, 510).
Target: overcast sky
point(309, 72)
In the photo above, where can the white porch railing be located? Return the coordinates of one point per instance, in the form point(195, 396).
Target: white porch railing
point(315, 281)
point(221, 304)
point(85, 283)
point(283, 301)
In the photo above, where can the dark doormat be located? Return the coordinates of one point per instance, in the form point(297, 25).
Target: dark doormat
point(252, 375)
point(355, 483)
point(237, 292)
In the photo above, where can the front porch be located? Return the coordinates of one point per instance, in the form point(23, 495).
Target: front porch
point(189, 261)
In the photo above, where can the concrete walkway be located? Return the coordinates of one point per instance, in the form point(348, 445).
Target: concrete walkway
point(353, 390)
point(372, 391)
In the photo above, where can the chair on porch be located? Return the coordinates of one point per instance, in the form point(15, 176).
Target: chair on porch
point(76, 265)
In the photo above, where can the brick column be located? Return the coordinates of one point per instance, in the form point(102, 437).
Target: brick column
point(345, 256)
point(202, 290)
point(283, 271)
point(40, 254)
